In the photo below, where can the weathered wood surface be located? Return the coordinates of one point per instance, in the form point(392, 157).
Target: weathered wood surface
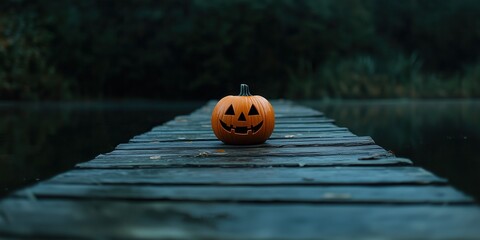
point(361, 194)
point(252, 176)
point(175, 220)
point(203, 159)
point(311, 180)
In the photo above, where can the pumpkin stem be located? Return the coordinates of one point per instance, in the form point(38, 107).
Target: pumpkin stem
point(244, 91)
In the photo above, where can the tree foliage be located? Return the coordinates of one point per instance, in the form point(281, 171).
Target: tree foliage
point(187, 49)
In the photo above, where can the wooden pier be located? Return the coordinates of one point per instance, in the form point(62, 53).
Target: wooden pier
point(311, 180)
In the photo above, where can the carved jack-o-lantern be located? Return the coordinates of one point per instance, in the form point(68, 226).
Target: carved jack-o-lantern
point(243, 119)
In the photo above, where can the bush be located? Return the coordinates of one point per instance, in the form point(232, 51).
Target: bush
point(26, 71)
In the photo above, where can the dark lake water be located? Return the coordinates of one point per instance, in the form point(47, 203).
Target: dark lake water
point(41, 140)
point(442, 136)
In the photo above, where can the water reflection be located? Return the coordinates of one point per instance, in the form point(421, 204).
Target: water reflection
point(442, 136)
point(40, 140)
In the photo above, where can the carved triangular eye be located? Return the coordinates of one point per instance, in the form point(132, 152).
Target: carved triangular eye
point(230, 111)
point(253, 111)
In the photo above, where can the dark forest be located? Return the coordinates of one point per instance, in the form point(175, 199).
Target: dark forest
point(109, 49)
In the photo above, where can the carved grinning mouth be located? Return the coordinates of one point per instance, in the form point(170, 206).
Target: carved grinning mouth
point(241, 130)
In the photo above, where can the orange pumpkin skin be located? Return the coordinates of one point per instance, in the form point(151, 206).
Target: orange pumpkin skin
point(243, 119)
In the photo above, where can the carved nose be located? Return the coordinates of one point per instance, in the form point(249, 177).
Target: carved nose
point(242, 117)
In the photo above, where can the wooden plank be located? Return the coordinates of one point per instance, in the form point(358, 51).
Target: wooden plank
point(256, 194)
point(156, 161)
point(319, 131)
point(367, 150)
point(274, 143)
point(210, 136)
point(253, 176)
point(277, 130)
point(152, 220)
point(285, 128)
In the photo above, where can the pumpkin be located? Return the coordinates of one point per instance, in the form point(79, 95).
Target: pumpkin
point(243, 119)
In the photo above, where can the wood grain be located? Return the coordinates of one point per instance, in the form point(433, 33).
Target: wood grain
point(156, 161)
point(400, 194)
point(252, 176)
point(176, 220)
point(310, 180)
